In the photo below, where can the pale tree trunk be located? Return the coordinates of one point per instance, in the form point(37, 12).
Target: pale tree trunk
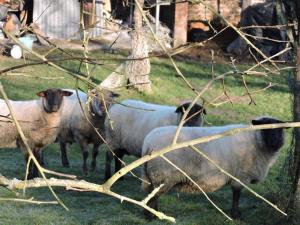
point(137, 70)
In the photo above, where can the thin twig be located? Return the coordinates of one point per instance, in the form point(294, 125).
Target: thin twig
point(30, 200)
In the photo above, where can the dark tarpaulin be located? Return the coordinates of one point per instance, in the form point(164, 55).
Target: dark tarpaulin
point(263, 14)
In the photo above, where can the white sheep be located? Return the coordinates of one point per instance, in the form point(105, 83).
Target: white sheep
point(132, 120)
point(39, 120)
point(78, 126)
point(247, 156)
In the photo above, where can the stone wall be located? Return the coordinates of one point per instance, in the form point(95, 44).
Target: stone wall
point(230, 9)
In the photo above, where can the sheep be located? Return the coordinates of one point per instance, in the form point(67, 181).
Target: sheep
point(76, 128)
point(39, 120)
point(247, 156)
point(133, 120)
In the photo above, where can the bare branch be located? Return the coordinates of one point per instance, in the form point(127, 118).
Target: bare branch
point(30, 200)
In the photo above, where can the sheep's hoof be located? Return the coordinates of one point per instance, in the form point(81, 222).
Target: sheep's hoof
point(84, 171)
point(148, 216)
point(32, 175)
point(67, 165)
point(93, 166)
point(236, 214)
point(107, 175)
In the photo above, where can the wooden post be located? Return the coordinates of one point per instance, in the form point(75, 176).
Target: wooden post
point(157, 11)
point(180, 23)
point(131, 13)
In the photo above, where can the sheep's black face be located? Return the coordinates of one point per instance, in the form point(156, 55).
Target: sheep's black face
point(98, 106)
point(195, 115)
point(52, 99)
point(273, 138)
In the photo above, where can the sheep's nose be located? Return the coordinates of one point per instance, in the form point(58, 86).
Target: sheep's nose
point(55, 108)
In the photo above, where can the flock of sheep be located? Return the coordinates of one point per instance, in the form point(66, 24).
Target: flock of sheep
point(137, 128)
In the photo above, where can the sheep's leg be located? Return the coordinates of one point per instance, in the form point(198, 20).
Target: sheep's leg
point(109, 157)
point(64, 157)
point(153, 203)
point(29, 176)
point(118, 164)
point(235, 212)
point(118, 158)
point(33, 171)
point(42, 161)
point(94, 159)
point(85, 153)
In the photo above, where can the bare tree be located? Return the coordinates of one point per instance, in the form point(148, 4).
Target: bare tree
point(135, 71)
point(138, 70)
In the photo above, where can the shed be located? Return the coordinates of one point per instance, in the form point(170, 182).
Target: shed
point(61, 18)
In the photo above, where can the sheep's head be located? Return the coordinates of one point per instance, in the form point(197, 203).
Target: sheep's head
point(195, 115)
point(272, 138)
point(102, 100)
point(52, 98)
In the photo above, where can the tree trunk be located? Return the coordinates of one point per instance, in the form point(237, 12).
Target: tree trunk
point(137, 70)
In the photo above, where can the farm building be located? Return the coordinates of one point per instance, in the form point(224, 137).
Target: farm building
point(61, 19)
point(180, 17)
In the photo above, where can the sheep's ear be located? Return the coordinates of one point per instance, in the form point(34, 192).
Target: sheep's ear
point(203, 110)
point(114, 95)
point(41, 94)
point(256, 122)
point(179, 109)
point(67, 93)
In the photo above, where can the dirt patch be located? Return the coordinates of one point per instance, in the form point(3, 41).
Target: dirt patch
point(218, 45)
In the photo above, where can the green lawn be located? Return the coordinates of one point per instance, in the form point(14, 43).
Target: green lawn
point(94, 208)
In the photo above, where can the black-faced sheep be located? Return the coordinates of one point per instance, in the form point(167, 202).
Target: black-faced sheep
point(76, 128)
point(247, 156)
point(132, 120)
point(39, 120)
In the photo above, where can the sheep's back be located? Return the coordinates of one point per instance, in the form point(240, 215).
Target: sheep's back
point(133, 120)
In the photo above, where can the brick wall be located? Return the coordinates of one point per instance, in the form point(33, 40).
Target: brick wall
point(230, 9)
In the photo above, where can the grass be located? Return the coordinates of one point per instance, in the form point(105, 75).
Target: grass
point(94, 208)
